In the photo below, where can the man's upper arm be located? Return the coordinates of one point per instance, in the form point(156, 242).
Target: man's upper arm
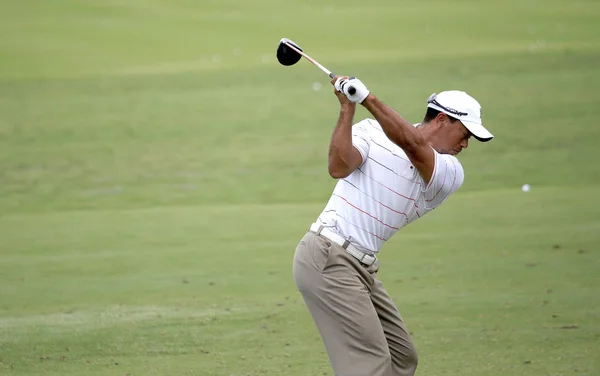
point(447, 177)
point(343, 166)
point(423, 158)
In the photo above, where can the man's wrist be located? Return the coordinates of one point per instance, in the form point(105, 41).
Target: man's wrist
point(368, 100)
point(348, 107)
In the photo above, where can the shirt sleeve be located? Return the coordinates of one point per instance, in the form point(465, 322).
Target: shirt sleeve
point(361, 139)
point(448, 176)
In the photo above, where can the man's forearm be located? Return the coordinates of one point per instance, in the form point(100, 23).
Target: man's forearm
point(340, 147)
point(398, 130)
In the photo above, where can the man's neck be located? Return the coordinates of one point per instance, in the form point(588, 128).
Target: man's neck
point(426, 130)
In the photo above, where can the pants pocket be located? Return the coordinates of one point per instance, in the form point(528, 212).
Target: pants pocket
point(318, 250)
point(310, 259)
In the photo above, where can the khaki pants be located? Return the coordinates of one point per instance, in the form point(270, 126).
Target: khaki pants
point(361, 328)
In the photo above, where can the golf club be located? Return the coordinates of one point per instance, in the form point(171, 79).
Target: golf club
point(289, 53)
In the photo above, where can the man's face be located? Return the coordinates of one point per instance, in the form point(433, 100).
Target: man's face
point(451, 137)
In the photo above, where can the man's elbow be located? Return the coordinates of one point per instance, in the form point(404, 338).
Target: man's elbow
point(338, 172)
point(414, 146)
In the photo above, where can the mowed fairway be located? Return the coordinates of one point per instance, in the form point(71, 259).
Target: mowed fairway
point(158, 167)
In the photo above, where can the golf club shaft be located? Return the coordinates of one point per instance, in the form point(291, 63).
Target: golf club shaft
point(351, 89)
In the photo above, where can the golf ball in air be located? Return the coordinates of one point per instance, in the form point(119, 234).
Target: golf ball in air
point(317, 86)
point(525, 187)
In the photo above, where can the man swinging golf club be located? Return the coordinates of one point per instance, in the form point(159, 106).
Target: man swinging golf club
point(390, 173)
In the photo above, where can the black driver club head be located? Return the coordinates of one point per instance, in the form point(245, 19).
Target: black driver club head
point(286, 55)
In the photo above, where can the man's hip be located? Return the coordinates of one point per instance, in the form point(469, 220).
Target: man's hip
point(364, 258)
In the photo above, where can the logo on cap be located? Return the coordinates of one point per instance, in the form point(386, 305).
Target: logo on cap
point(432, 100)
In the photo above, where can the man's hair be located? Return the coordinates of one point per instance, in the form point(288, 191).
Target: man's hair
point(432, 113)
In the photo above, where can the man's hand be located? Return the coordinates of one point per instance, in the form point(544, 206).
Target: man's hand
point(343, 84)
point(341, 96)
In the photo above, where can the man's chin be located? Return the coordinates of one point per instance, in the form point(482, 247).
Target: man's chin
point(450, 152)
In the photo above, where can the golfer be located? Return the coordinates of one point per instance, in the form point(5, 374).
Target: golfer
point(390, 173)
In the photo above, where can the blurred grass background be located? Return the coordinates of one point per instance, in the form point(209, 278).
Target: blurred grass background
point(158, 167)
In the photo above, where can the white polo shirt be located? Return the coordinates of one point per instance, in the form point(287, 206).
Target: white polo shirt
point(386, 192)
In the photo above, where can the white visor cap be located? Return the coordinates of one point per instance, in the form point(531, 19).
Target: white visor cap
point(463, 107)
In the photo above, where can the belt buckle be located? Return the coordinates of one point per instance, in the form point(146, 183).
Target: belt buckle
point(371, 259)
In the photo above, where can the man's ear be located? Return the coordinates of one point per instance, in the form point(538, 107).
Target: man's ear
point(442, 118)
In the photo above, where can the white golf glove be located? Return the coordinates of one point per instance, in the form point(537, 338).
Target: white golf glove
point(343, 85)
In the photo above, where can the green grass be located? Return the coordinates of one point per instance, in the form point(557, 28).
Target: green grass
point(158, 167)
